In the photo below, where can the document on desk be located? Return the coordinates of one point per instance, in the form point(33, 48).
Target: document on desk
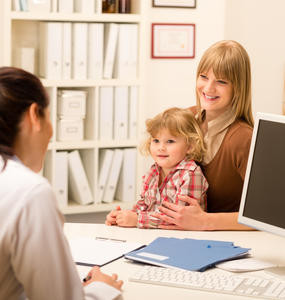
point(99, 251)
point(187, 254)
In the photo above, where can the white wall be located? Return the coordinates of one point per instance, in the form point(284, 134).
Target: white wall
point(259, 26)
point(171, 82)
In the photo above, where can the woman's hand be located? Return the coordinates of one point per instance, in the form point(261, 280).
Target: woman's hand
point(127, 218)
point(190, 217)
point(112, 216)
point(96, 275)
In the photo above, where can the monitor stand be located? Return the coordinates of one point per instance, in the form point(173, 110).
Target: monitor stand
point(276, 271)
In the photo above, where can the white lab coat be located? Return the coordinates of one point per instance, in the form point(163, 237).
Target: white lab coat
point(35, 260)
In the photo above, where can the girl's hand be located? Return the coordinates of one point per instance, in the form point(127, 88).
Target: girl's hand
point(112, 216)
point(190, 217)
point(127, 218)
point(96, 275)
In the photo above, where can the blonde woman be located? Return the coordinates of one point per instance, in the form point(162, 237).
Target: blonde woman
point(223, 90)
point(175, 142)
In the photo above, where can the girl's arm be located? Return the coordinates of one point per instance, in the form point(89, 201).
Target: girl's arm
point(145, 218)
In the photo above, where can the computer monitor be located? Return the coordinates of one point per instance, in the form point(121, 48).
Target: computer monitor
point(263, 196)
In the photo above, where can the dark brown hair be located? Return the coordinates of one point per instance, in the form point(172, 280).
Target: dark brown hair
point(18, 90)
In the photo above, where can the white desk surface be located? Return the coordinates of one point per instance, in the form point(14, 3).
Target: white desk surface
point(264, 246)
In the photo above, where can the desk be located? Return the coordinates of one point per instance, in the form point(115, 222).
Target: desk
point(264, 246)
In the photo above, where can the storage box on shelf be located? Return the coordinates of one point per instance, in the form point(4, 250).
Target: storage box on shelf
point(28, 35)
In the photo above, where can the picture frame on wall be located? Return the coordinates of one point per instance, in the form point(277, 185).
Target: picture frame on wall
point(174, 3)
point(172, 40)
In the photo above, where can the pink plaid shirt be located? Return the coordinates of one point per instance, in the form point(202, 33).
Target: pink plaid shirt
point(185, 179)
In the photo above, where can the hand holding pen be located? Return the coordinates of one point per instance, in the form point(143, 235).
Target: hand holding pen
point(96, 275)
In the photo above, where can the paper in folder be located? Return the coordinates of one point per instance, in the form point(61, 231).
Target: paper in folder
point(187, 254)
point(99, 251)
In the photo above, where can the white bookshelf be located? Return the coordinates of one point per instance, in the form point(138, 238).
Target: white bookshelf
point(21, 29)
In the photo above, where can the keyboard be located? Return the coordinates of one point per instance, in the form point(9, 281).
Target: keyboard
point(212, 281)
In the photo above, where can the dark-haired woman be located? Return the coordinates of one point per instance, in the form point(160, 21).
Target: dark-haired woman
point(35, 260)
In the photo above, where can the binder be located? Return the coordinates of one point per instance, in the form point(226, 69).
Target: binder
point(95, 50)
point(84, 6)
point(16, 5)
point(24, 58)
point(50, 50)
point(77, 180)
point(42, 6)
point(122, 54)
point(66, 50)
point(121, 113)
point(79, 51)
point(105, 161)
point(187, 254)
point(126, 189)
point(65, 6)
point(133, 50)
point(110, 43)
point(113, 176)
point(133, 107)
point(54, 6)
point(24, 5)
point(106, 113)
point(126, 55)
point(61, 177)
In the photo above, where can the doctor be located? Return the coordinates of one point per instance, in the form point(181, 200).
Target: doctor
point(35, 260)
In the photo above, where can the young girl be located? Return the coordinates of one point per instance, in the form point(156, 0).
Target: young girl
point(175, 142)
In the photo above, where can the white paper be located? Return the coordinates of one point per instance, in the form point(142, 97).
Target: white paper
point(92, 251)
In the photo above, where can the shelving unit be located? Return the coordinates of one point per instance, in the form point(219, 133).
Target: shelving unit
point(22, 29)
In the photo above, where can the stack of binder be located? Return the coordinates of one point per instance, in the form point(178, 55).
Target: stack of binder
point(187, 254)
point(118, 112)
point(110, 167)
point(43, 6)
point(117, 175)
point(82, 50)
point(71, 50)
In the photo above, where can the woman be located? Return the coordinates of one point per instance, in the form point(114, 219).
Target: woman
point(223, 92)
point(35, 260)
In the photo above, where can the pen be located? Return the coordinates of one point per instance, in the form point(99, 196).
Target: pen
point(107, 239)
point(86, 278)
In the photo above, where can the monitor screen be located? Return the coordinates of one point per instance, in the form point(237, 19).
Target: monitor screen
point(263, 197)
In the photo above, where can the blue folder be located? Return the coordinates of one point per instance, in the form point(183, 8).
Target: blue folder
point(187, 254)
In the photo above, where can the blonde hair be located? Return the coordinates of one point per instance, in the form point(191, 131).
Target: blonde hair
point(180, 123)
point(230, 61)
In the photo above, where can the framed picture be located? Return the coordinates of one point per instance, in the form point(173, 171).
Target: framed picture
point(172, 40)
point(174, 3)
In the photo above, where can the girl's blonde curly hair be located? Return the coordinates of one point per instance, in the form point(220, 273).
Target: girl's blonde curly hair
point(180, 123)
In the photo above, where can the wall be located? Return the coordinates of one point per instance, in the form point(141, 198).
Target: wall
point(171, 82)
point(256, 24)
point(259, 26)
